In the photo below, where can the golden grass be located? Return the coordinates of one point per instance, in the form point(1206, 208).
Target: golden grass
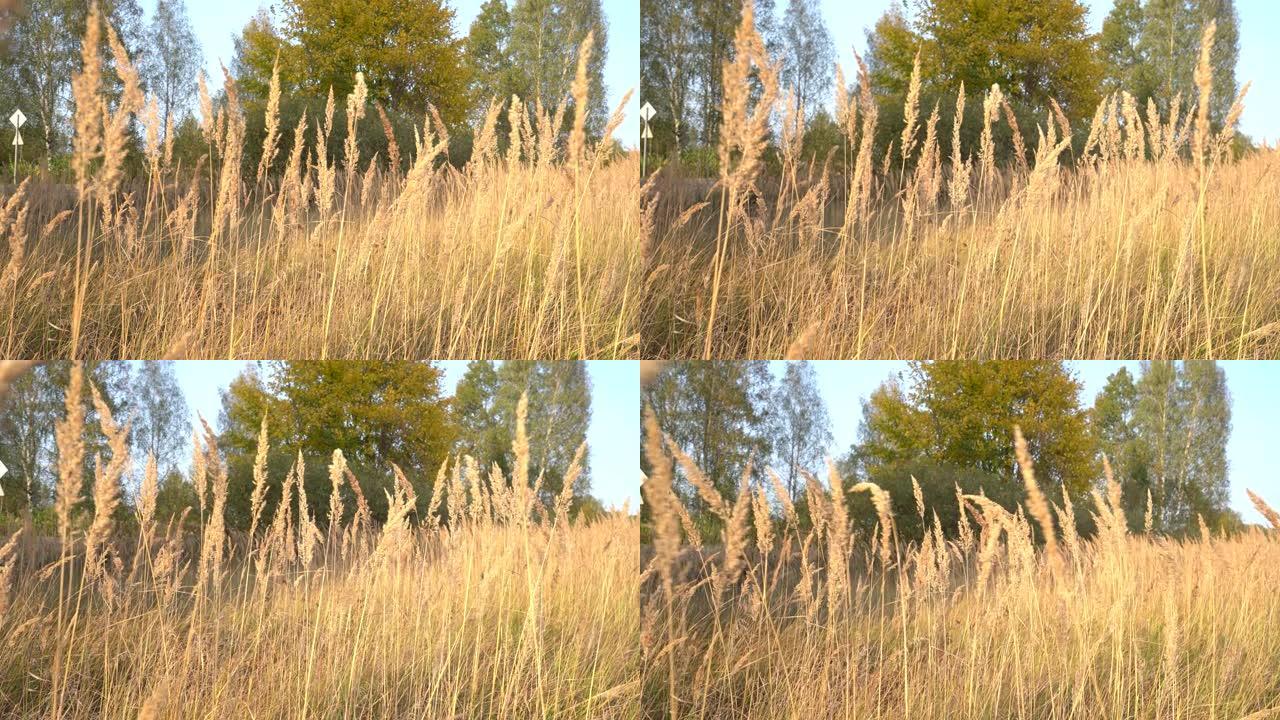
point(534, 254)
point(507, 610)
point(1152, 243)
point(960, 625)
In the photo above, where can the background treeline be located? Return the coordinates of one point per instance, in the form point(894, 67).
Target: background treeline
point(949, 425)
point(377, 413)
point(1036, 50)
point(412, 56)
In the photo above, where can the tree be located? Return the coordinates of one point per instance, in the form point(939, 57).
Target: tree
point(892, 430)
point(1113, 422)
point(1118, 44)
point(174, 57)
point(804, 430)
point(962, 414)
point(1036, 50)
point(717, 412)
point(1166, 435)
point(667, 71)
point(33, 405)
point(1182, 420)
point(559, 411)
point(545, 38)
point(376, 413)
point(807, 53)
point(41, 55)
point(488, 55)
point(43, 50)
point(258, 48)
point(714, 25)
point(161, 421)
point(27, 416)
point(1152, 49)
point(892, 46)
point(1169, 45)
point(405, 48)
point(475, 413)
point(126, 18)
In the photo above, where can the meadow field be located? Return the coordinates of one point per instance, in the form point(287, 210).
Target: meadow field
point(529, 250)
point(1008, 613)
point(490, 603)
point(1147, 235)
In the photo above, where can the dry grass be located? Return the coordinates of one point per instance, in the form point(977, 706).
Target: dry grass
point(961, 625)
point(529, 255)
point(507, 610)
point(1151, 243)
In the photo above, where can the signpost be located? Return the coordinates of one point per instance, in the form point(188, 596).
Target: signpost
point(646, 134)
point(17, 119)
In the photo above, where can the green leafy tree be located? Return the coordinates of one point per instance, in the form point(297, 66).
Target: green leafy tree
point(803, 431)
point(717, 412)
point(475, 413)
point(1118, 44)
point(808, 55)
point(27, 417)
point(40, 56)
point(42, 51)
point(559, 411)
point(1152, 49)
point(1168, 40)
point(1036, 50)
point(1114, 425)
point(112, 379)
point(668, 71)
point(488, 56)
point(405, 48)
point(892, 430)
point(714, 24)
point(377, 413)
point(161, 421)
point(1181, 421)
point(173, 57)
point(962, 414)
point(892, 44)
point(545, 38)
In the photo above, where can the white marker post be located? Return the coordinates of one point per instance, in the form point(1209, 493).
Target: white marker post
point(17, 119)
point(646, 133)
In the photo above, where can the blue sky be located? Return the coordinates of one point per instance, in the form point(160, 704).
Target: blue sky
point(611, 437)
point(1255, 413)
point(217, 23)
point(848, 19)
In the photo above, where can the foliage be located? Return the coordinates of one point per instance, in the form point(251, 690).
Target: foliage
point(1166, 435)
point(377, 413)
point(42, 49)
point(1036, 50)
point(559, 411)
point(803, 432)
point(807, 54)
point(718, 412)
point(27, 416)
point(405, 48)
point(1150, 45)
point(962, 414)
point(172, 59)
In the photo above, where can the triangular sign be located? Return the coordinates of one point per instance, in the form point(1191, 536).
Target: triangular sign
point(17, 139)
point(647, 112)
point(647, 133)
